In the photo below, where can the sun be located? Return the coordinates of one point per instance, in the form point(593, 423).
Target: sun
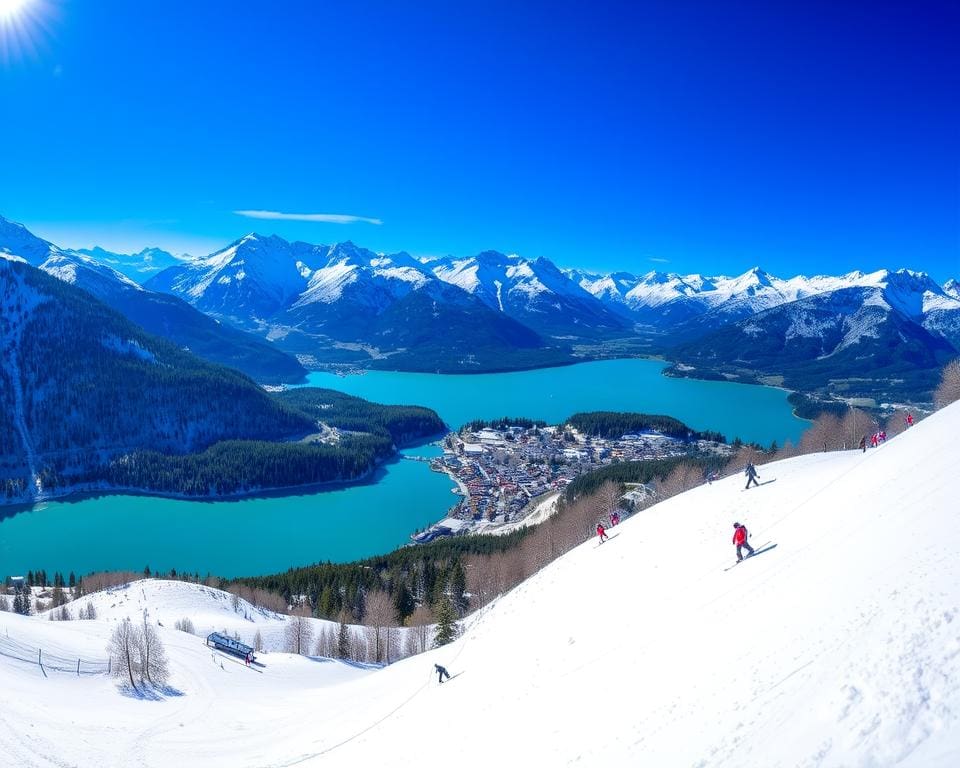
point(24, 27)
point(11, 8)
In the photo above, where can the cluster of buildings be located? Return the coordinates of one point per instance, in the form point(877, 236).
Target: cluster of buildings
point(500, 471)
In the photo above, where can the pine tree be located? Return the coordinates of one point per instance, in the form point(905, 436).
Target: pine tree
point(343, 639)
point(458, 589)
point(446, 618)
point(404, 603)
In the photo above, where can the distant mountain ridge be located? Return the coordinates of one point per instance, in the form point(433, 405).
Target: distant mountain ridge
point(159, 313)
point(137, 266)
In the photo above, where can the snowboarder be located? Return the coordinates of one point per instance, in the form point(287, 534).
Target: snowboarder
point(602, 533)
point(751, 473)
point(909, 420)
point(441, 672)
point(863, 443)
point(740, 535)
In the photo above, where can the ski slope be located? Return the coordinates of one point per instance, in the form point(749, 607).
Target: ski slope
point(839, 647)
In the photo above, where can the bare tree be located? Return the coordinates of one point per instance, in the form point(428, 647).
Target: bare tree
point(123, 651)
point(4, 603)
point(90, 613)
point(153, 658)
point(826, 433)
point(948, 390)
point(327, 642)
point(258, 641)
point(682, 478)
point(184, 625)
point(298, 633)
point(418, 638)
point(380, 612)
point(855, 424)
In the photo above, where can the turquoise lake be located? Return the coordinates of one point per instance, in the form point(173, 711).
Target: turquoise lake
point(752, 413)
point(270, 534)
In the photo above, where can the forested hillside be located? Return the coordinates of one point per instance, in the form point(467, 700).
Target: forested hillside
point(402, 423)
point(91, 400)
point(613, 424)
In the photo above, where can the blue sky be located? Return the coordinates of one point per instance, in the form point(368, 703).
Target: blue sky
point(686, 136)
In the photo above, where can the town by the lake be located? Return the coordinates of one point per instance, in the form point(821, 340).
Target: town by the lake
point(504, 473)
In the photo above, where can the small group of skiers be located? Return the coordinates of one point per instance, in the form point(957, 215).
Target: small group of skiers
point(875, 439)
point(602, 530)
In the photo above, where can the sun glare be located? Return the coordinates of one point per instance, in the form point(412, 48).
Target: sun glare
point(23, 29)
point(10, 8)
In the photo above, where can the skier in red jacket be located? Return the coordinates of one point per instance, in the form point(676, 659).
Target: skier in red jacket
point(740, 539)
point(602, 533)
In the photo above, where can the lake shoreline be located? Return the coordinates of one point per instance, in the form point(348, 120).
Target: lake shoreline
point(75, 493)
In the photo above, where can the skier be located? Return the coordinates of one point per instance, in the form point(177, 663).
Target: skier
point(441, 672)
point(909, 420)
point(614, 519)
point(863, 443)
point(875, 440)
point(740, 535)
point(601, 532)
point(751, 473)
point(714, 475)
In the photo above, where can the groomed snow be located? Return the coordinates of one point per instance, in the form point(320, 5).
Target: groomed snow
point(839, 647)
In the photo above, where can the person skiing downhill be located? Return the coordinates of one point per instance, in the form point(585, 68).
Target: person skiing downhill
point(441, 672)
point(863, 443)
point(740, 535)
point(602, 533)
point(909, 420)
point(751, 473)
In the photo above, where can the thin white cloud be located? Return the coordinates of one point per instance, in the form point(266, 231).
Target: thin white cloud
point(658, 260)
point(326, 218)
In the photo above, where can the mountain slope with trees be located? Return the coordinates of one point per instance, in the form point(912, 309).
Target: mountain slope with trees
point(90, 400)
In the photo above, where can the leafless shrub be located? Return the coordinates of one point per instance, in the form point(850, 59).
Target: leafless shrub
point(948, 390)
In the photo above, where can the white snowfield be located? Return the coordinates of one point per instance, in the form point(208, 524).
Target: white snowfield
point(838, 647)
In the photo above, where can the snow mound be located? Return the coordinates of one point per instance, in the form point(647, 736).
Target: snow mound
point(837, 645)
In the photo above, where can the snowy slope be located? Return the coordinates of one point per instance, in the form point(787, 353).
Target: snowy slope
point(840, 647)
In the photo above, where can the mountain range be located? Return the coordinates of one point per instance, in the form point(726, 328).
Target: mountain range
point(879, 334)
point(883, 334)
point(158, 313)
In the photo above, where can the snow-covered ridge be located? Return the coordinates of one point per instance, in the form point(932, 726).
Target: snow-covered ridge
point(838, 645)
point(756, 289)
